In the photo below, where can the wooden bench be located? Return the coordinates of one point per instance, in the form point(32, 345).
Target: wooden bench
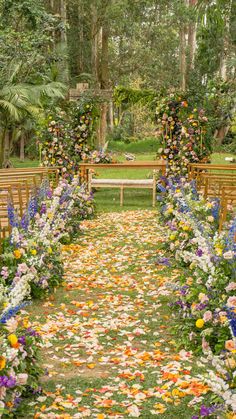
point(124, 183)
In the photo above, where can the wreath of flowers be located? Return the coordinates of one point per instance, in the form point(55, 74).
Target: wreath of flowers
point(183, 135)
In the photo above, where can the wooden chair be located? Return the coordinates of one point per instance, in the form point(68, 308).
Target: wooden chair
point(194, 169)
point(212, 184)
point(228, 197)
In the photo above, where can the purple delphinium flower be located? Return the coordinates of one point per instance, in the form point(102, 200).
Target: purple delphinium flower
point(22, 340)
point(49, 194)
point(7, 382)
point(43, 209)
point(205, 411)
point(12, 215)
point(199, 252)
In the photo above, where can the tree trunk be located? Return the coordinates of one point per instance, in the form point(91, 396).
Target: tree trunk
point(183, 31)
point(103, 124)
point(22, 148)
point(192, 34)
point(2, 142)
point(94, 49)
point(111, 116)
point(64, 20)
point(104, 81)
point(7, 149)
point(80, 63)
point(7, 146)
point(225, 43)
point(182, 59)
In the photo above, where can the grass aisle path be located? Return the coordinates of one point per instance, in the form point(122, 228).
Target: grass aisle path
point(107, 337)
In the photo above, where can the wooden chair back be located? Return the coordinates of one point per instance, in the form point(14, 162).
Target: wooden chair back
point(228, 197)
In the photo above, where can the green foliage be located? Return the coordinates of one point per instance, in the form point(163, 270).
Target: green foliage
point(147, 145)
point(127, 96)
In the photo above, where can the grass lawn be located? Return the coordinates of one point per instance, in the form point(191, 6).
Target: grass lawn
point(109, 199)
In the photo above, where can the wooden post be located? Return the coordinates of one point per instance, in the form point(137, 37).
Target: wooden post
point(121, 195)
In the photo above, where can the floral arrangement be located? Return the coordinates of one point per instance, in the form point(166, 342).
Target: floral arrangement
point(31, 266)
point(204, 298)
point(65, 136)
point(183, 134)
point(19, 370)
point(98, 156)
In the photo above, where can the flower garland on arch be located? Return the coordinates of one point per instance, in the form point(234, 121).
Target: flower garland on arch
point(183, 134)
point(66, 136)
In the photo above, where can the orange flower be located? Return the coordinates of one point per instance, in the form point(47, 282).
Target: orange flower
point(17, 253)
point(230, 345)
point(2, 362)
point(13, 341)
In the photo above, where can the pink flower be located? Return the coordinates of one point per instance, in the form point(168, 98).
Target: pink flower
point(4, 272)
point(207, 316)
point(231, 287)
point(11, 325)
point(205, 345)
point(231, 302)
point(22, 268)
point(22, 379)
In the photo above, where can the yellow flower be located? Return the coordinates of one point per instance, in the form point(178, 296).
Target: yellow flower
point(33, 252)
point(2, 362)
point(50, 215)
point(172, 237)
point(17, 253)
point(50, 250)
point(186, 228)
point(200, 323)
point(12, 340)
point(160, 407)
point(209, 205)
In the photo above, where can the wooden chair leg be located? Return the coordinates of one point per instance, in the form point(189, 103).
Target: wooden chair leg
point(90, 176)
point(121, 195)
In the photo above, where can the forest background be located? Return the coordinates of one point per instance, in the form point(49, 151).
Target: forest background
point(140, 51)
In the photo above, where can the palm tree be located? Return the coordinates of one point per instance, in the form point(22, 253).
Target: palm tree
point(19, 101)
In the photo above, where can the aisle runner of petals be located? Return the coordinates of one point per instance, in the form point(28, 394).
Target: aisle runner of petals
point(108, 349)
